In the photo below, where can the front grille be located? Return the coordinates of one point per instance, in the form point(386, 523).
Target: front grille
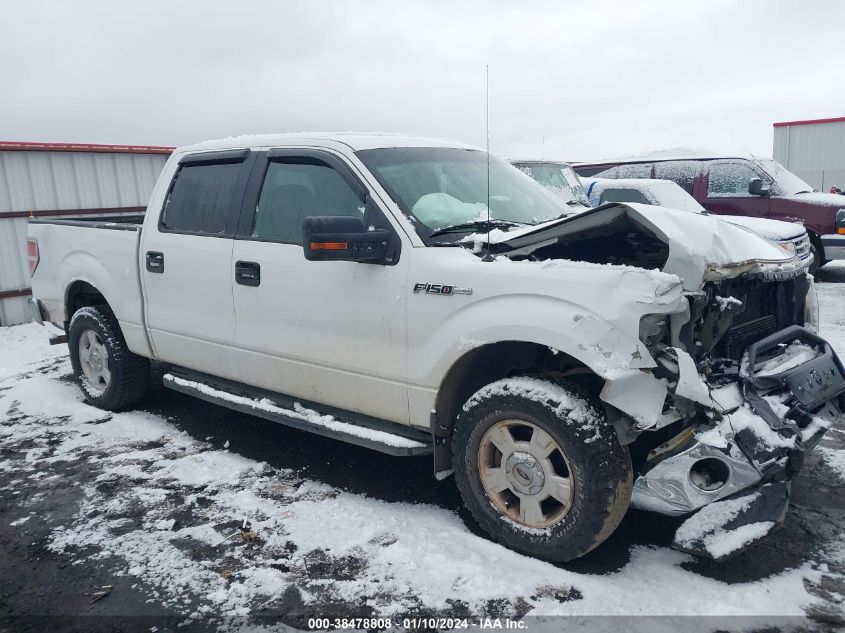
point(738, 337)
point(801, 245)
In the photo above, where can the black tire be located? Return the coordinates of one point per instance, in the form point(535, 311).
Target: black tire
point(818, 254)
point(599, 467)
point(130, 373)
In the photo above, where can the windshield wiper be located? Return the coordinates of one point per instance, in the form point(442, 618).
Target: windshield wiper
point(477, 225)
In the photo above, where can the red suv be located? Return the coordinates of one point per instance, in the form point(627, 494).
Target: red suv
point(744, 186)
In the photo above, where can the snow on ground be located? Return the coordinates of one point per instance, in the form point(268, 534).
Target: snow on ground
point(208, 531)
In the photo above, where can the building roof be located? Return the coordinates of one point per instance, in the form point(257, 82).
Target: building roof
point(27, 146)
point(355, 140)
point(838, 119)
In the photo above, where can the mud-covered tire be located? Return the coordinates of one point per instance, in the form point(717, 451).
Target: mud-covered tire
point(599, 466)
point(129, 373)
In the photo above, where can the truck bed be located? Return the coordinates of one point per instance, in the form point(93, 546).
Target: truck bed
point(101, 253)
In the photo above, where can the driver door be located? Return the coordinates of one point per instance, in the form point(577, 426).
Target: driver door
point(329, 332)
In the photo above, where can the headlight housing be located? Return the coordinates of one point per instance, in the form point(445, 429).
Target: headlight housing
point(811, 308)
point(789, 247)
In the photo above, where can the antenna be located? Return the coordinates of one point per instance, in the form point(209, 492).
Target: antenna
point(488, 257)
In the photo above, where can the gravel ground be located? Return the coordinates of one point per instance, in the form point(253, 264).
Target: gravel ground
point(142, 503)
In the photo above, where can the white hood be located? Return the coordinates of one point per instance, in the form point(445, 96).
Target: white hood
point(701, 247)
point(705, 247)
point(775, 230)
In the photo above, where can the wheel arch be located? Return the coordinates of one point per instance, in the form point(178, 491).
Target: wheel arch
point(80, 293)
point(490, 362)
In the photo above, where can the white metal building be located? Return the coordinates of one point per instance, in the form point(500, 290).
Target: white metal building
point(813, 149)
point(55, 179)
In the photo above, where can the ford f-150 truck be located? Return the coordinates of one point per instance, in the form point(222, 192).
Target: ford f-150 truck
point(419, 297)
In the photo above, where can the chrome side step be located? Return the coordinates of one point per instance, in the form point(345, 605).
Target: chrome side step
point(380, 435)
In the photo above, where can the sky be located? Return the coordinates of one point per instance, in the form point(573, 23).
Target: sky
point(567, 80)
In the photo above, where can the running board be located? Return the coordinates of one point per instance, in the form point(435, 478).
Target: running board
point(380, 435)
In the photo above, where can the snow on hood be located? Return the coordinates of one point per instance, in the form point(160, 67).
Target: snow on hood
point(770, 229)
point(701, 247)
point(704, 247)
point(818, 198)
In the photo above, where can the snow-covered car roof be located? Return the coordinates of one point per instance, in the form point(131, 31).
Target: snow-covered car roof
point(354, 140)
point(675, 153)
point(541, 161)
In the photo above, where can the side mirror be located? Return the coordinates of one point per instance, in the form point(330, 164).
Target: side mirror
point(757, 188)
point(344, 238)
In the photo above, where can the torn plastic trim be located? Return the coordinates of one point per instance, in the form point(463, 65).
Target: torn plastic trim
point(678, 484)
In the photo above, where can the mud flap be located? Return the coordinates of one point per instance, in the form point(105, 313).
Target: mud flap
point(725, 527)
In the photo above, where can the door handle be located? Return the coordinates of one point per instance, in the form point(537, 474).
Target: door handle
point(248, 273)
point(155, 262)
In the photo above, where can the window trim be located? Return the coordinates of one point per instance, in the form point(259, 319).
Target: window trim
point(244, 157)
point(246, 218)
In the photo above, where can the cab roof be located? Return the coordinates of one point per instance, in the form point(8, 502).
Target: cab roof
point(354, 140)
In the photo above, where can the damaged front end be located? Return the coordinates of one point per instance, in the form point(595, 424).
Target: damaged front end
point(741, 386)
point(752, 389)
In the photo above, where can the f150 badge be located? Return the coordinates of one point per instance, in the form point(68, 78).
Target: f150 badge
point(441, 289)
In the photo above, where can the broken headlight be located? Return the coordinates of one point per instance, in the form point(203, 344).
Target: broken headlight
point(653, 329)
point(811, 309)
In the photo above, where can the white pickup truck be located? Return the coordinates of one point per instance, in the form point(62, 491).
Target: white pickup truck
point(416, 297)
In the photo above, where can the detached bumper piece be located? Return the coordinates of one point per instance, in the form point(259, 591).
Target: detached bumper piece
point(725, 527)
point(735, 472)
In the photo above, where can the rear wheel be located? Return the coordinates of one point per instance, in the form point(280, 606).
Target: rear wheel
point(540, 468)
point(110, 376)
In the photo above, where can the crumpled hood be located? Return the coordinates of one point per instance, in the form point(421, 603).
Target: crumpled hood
point(701, 247)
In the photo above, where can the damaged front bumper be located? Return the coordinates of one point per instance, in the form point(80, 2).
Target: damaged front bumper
point(789, 392)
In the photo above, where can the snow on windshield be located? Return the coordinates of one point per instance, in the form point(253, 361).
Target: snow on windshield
point(668, 194)
point(789, 183)
point(557, 177)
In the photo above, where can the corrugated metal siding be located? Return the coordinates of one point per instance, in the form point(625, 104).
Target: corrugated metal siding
point(14, 269)
point(52, 180)
point(816, 152)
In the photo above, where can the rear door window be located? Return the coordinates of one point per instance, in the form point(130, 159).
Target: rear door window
point(200, 198)
point(681, 172)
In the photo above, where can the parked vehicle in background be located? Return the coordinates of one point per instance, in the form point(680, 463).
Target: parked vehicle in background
point(557, 177)
point(418, 296)
point(790, 236)
point(741, 185)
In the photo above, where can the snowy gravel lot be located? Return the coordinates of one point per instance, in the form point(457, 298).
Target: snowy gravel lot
point(190, 510)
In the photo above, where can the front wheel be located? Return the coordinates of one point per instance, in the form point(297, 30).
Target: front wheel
point(110, 376)
point(540, 468)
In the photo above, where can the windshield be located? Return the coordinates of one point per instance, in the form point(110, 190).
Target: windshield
point(789, 183)
point(441, 187)
point(557, 177)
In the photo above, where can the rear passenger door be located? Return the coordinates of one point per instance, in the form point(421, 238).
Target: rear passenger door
point(727, 189)
point(329, 332)
point(186, 263)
